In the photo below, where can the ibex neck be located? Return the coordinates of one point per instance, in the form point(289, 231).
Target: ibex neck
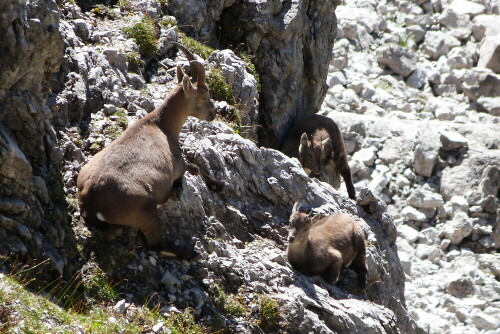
point(173, 112)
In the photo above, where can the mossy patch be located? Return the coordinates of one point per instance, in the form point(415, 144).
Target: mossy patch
point(253, 69)
point(145, 34)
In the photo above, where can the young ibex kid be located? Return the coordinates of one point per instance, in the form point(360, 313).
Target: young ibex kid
point(326, 246)
point(315, 140)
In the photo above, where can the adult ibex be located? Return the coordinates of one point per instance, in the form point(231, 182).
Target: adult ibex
point(316, 141)
point(324, 246)
point(125, 182)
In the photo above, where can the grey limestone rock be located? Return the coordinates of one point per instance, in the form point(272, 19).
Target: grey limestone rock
point(438, 43)
point(265, 210)
point(292, 46)
point(400, 60)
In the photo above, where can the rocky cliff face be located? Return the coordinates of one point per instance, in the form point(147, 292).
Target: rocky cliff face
point(31, 193)
point(289, 42)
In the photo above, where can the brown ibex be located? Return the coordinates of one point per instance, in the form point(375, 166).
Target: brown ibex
point(125, 182)
point(315, 140)
point(325, 246)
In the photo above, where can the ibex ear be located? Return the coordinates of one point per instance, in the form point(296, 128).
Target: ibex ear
point(187, 86)
point(303, 142)
point(315, 218)
point(180, 74)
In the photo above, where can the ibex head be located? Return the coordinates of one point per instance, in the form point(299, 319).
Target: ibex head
point(313, 153)
point(195, 90)
point(300, 220)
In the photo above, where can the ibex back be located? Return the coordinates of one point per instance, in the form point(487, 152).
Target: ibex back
point(125, 182)
point(316, 140)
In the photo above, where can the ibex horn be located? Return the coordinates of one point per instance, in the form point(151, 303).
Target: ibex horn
point(188, 53)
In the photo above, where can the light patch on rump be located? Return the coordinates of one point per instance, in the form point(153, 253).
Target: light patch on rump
point(100, 216)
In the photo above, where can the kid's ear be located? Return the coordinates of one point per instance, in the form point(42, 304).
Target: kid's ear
point(315, 218)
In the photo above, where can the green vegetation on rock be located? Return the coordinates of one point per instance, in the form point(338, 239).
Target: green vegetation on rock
point(220, 90)
point(195, 46)
point(269, 313)
point(145, 34)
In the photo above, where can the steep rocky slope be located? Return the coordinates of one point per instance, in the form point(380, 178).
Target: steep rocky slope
point(408, 86)
point(242, 281)
point(414, 87)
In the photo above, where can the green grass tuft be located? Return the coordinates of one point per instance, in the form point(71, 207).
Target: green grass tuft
point(184, 323)
point(269, 313)
point(220, 90)
point(195, 46)
point(145, 34)
point(134, 61)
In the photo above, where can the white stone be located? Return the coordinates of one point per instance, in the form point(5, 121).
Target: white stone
point(485, 25)
point(444, 114)
point(413, 214)
point(402, 181)
point(378, 184)
point(485, 322)
point(366, 155)
point(458, 228)
point(465, 7)
point(490, 104)
point(489, 53)
point(425, 197)
point(428, 236)
point(408, 233)
point(452, 140)
point(437, 44)
point(121, 307)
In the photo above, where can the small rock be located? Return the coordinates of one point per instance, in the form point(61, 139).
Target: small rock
point(425, 197)
point(169, 280)
point(437, 44)
point(411, 213)
point(452, 140)
point(366, 155)
point(156, 328)
point(458, 228)
point(460, 286)
point(408, 233)
point(490, 105)
point(121, 307)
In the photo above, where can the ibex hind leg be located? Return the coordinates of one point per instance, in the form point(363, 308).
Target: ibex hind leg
point(176, 191)
point(212, 183)
point(359, 263)
point(332, 272)
point(151, 228)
